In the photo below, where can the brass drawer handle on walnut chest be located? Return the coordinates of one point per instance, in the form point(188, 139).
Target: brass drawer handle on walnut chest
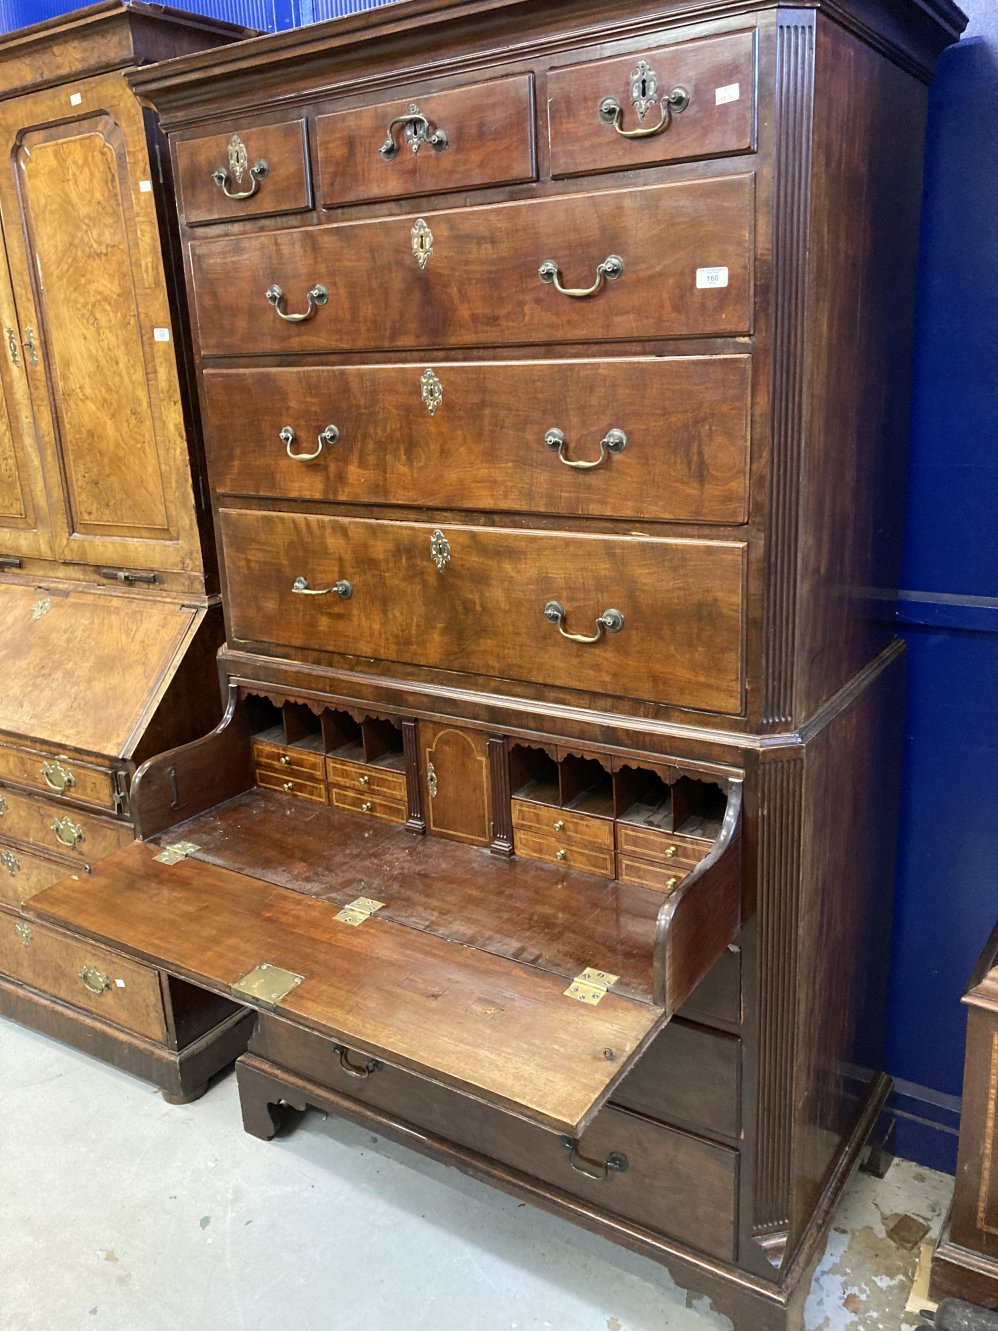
point(329, 435)
point(57, 777)
point(614, 441)
point(342, 588)
point(10, 862)
point(258, 172)
point(68, 833)
point(416, 133)
point(610, 620)
point(644, 95)
point(95, 980)
point(317, 295)
point(362, 1072)
point(610, 269)
point(614, 1163)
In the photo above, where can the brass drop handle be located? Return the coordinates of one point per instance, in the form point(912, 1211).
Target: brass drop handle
point(342, 589)
point(258, 172)
point(68, 833)
point(362, 1072)
point(614, 1163)
point(96, 981)
point(614, 441)
point(57, 777)
point(10, 862)
point(416, 133)
point(610, 269)
point(610, 620)
point(328, 436)
point(611, 113)
point(317, 295)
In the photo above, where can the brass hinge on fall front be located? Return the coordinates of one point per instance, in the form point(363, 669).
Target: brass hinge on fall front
point(176, 852)
point(356, 912)
point(265, 985)
point(591, 986)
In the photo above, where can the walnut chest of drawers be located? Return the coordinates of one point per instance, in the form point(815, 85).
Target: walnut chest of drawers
point(554, 366)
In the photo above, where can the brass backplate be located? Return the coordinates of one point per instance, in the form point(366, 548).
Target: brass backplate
point(265, 985)
point(356, 912)
point(179, 850)
point(591, 986)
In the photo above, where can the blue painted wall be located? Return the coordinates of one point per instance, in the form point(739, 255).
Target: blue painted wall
point(947, 896)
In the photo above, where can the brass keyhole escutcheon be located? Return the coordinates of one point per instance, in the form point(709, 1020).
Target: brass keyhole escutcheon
point(422, 242)
point(431, 781)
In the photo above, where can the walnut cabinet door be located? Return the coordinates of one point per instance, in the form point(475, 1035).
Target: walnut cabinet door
point(79, 216)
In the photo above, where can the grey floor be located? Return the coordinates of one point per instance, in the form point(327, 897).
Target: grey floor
point(119, 1212)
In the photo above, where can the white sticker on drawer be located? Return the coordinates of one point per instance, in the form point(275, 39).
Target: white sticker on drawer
point(75, 98)
point(729, 93)
point(145, 186)
point(120, 984)
point(711, 277)
point(163, 334)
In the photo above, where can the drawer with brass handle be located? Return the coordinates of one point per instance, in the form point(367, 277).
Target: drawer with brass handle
point(52, 826)
point(55, 774)
point(374, 806)
point(275, 779)
point(649, 873)
point(288, 758)
point(670, 260)
point(571, 829)
point(666, 847)
point(646, 437)
point(477, 135)
point(24, 873)
point(83, 974)
point(246, 171)
point(478, 596)
point(693, 99)
point(553, 848)
point(365, 777)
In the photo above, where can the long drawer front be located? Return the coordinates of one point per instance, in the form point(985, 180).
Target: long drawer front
point(55, 774)
point(665, 261)
point(653, 1175)
point(55, 827)
point(665, 617)
point(83, 974)
point(662, 438)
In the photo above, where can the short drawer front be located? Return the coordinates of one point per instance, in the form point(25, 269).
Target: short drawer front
point(573, 829)
point(302, 787)
point(665, 1168)
point(23, 874)
point(662, 438)
point(286, 758)
point(267, 165)
point(686, 251)
point(688, 1075)
point(646, 873)
point(54, 827)
point(667, 847)
point(374, 806)
point(54, 775)
point(715, 77)
point(80, 973)
point(681, 602)
point(554, 849)
point(366, 778)
point(459, 139)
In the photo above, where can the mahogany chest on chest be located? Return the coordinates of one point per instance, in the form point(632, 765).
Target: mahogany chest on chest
point(554, 368)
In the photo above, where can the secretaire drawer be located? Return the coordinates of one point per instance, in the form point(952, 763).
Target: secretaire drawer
point(365, 777)
point(650, 618)
point(692, 99)
point(662, 1171)
point(23, 873)
point(291, 759)
point(83, 974)
point(57, 775)
point(246, 171)
point(664, 261)
point(428, 144)
point(645, 438)
point(54, 827)
point(573, 828)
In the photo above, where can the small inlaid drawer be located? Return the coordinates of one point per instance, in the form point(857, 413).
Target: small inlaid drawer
point(553, 849)
point(247, 171)
point(23, 874)
point(301, 787)
point(428, 144)
point(373, 806)
point(55, 774)
point(54, 827)
point(692, 99)
point(365, 777)
point(287, 759)
point(83, 974)
point(666, 847)
point(571, 829)
point(646, 873)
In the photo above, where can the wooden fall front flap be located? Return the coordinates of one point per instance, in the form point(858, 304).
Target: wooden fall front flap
point(497, 1030)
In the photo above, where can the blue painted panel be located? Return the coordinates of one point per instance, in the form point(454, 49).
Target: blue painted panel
point(267, 15)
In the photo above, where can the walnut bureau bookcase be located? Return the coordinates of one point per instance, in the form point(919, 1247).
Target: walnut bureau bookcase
point(109, 613)
point(554, 363)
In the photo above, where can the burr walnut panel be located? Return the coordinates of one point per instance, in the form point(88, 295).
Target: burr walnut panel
point(480, 285)
point(460, 432)
point(484, 611)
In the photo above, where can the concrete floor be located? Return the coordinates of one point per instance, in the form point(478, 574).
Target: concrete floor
point(119, 1212)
